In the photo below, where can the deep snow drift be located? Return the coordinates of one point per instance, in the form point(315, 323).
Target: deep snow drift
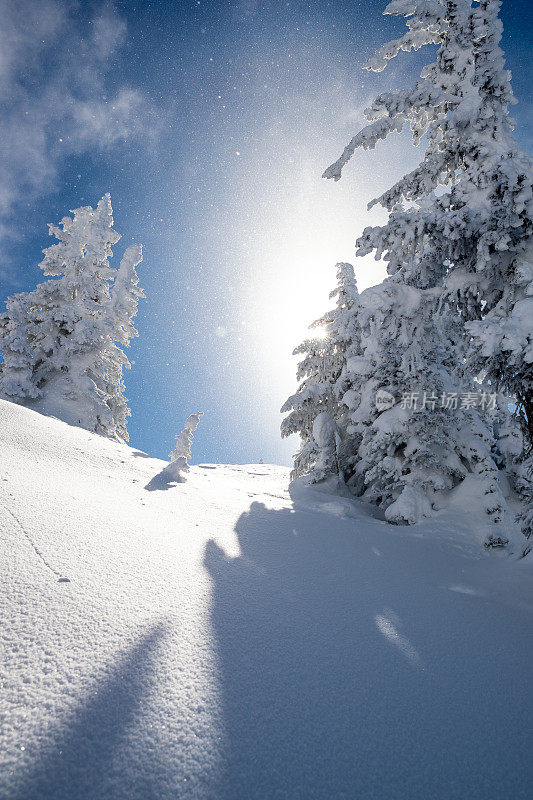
point(220, 639)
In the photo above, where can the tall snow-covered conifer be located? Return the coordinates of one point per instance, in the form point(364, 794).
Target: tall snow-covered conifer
point(60, 341)
point(483, 221)
point(463, 253)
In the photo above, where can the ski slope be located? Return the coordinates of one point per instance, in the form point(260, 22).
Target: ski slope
point(222, 639)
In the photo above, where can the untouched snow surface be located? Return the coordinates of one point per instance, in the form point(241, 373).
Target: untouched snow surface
point(221, 639)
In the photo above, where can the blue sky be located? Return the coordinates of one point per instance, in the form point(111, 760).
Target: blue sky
point(210, 124)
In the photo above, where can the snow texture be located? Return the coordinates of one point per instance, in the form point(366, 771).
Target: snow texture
point(221, 639)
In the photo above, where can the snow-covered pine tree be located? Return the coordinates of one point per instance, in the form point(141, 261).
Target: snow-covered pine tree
point(415, 452)
point(317, 395)
point(432, 245)
point(313, 397)
point(481, 223)
point(182, 451)
point(70, 320)
point(66, 329)
point(498, 177)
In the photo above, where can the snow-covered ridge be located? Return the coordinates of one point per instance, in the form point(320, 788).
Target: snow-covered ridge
point(226, 638)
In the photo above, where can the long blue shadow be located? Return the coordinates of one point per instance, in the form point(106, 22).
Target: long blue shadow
point(86, 761)
point(349, 675)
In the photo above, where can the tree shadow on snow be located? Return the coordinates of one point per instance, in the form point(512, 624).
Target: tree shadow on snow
point(162, 481)
point(338, 681)
point(86, 760)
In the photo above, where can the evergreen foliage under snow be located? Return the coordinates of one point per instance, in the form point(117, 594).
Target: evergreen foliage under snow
point(61, 342)
point(454, 319)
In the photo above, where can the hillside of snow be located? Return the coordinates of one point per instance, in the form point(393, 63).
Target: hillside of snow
point(222, 639)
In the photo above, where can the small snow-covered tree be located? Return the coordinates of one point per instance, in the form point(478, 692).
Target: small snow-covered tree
point(182, 451)
point(313, 397)
point(60, 340)
point(319, 372)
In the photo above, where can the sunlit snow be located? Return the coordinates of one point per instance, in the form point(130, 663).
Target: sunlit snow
point(221, 638)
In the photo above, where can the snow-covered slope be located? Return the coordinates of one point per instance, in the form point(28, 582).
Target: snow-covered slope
point(222, 639)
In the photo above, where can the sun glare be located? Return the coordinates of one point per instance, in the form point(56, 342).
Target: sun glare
point(319, 332)
point(298, 280)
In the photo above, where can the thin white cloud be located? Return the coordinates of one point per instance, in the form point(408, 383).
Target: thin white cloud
point(108, 32)
point(110, 121)
point(53, 85)
point(27, 29)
